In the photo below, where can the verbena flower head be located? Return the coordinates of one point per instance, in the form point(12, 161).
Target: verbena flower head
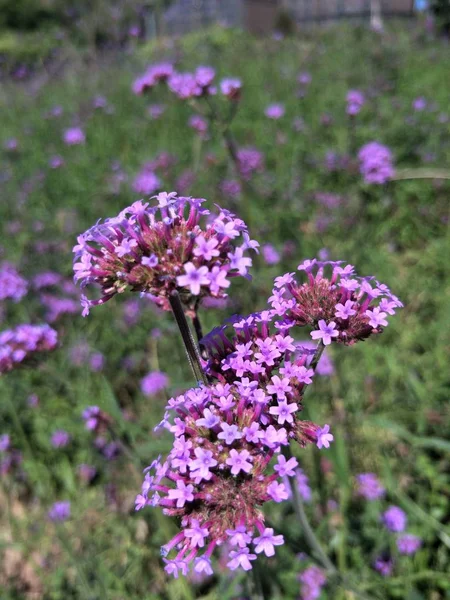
point(23, 343)
point(59, 511)
point(95, 419)
point(12, 285)
point(146, 183)
point(226, 460)
point(408, 543)
point(376, 163)
point(275, 111)
point(250, 161)
point(312, 580)
point(176, 245)
point(60, 439)
point(153, 383)
point(339, 305)
point(394, 519)
point(74, 136)
point(155, 74)
point(369, 487)
point(355, 101)
point(231, 88)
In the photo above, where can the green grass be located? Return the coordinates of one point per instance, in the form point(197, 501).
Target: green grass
point(387, 402)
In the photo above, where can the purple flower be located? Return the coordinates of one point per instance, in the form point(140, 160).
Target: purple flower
point(394, 519)
point(12, 285)
point(286, 467)
point(241, 558)
point(408, 543)
point(369, 486)
point(377, 317)
point(204, 461)
point(326, 332)
point(384, 566)
point(60, 439)
point(182, 493)
point(274, 111)
point(231, 88)
point(376, 163)
point(5, 442)
point(74, 136)
point(266, 542)
point(419, 104)
point(193, 278)
point(24, 342)
point(146, 183)
point(239, 461)
point(197, 534)
point(239, 536)
point(59, 511)
point(355, 101)
point(324, 437)
point(344, 311)
point(277, 491)
point(270, 254)
point(153, 383)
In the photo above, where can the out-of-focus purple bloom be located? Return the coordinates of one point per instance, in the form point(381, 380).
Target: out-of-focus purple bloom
point(394, 519)
point(376, 163)
point(198, 123)
point(231, 88)
point(33, 400)
point(146, 183)
point(419, 104)
point(97, 361)
point(384, 566)
point(55, 162)
point(232, 188)
point(12, 285)
point(408, 543)
point(304, 78)
point(275, 111)
point(270, 254)
point(312, 581)
point(355, 101)
point(11, 145)
point(153, 383)
point(369, 486)
point(60, 511)
point(5, 442)
point(156, 110)
point(155, 74)
point(86, 472)
point(60, 439)
point(250, 161)
point(74, 136)
point(24, 342)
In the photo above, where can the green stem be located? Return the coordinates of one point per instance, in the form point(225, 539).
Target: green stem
point(192, 351)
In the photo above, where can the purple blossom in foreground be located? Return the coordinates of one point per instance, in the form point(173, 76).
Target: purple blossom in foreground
point(59, 511)
point(369, 487)
point(376, 163)
point(12, 285)
point(339, 306)
point(153, 383)
point(24, 342)
point(226, 459)
point(394, 519)
point(408, 543)
point(159, 249)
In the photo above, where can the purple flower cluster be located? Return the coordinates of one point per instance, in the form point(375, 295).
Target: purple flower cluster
point(60, 438)
point(355, 101)
point(340, 307)
point(250, 161)
point(369, 486)
point(394, 519)
point(153, 383)
point(12, 285)
point(312, 581)
point(275, 111)
point(10, 458)
point(74, 136)
point(153, 75)
point(146, 183)
point(156, 250)
point(59, 511)
point(226, 460)
point(376, 163)
point(23, 343)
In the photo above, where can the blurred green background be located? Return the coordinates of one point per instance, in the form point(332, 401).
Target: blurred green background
point(387, 399)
